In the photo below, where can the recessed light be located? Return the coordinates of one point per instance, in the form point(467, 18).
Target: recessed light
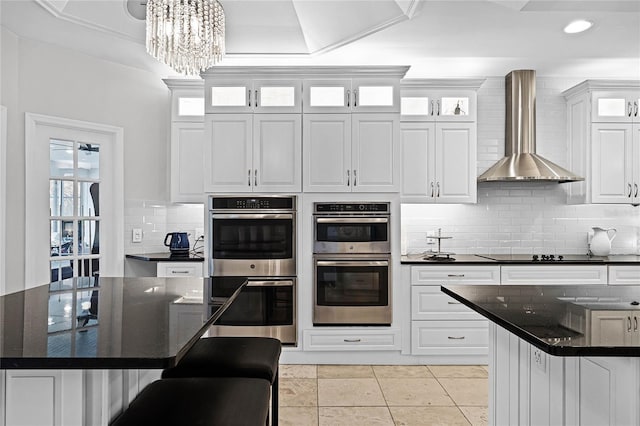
point(578, 26)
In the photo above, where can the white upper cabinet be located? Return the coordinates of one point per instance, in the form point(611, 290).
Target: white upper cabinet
point(615, 106)
point(351, 95)
point(253, 152)
point(439, 141)
point(187, 140)
point(248, 95)
point(351, 153)
point(604, 141)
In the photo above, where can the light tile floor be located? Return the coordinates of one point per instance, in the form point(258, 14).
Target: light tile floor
point(328, 395)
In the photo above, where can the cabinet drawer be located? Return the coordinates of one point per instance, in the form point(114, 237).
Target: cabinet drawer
point(352, 340)
point(449, 337)
point(445, 274)
point(624, 274)
point(179, 269)
point(554, 274)
point(429, 303)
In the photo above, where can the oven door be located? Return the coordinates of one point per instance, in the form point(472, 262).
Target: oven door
point(351, 234)
point(353, 290)
point(264, 308)
point(253, 244)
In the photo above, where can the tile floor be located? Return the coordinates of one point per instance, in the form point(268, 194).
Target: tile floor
point(353, 395)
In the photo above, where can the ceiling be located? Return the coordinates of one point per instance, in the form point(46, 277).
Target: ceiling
point(439, 39)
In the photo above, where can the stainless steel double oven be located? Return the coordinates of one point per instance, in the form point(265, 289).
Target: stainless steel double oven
point(255, 237)
point(352, 264)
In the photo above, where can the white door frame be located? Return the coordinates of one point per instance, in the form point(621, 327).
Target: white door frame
point(36, 201)
point(3, 195)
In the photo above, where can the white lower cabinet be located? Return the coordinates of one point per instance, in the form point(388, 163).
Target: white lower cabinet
point(624, 274)
point(179, 269)
point(553, 274)
point(356, 339)
point(442, 326)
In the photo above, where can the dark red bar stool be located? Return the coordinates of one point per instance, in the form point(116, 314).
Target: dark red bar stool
point(193, 401)
point(251, 357)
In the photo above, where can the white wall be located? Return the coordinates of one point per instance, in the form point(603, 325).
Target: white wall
point(520, 218)
point(47, 79)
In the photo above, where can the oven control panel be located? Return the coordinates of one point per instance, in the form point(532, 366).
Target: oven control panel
point(252, 203)
point(352, 207)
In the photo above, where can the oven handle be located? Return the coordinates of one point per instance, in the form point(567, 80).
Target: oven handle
point(352, 263)
point(284, 283)
point(352, 220)
point(252, 216)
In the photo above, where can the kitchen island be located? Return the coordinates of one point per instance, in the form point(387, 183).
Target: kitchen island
point(560, 354)
point(82, 348)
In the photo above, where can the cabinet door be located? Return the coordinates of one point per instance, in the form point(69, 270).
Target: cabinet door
point(454, 105)
point(277, 149)
point(611, 328)
point(327, 152)
point(612, 163)
point(328, 96)
point(612, 106)
point(456, 163)
point(375, 95)
point(229, 96)
point(277, 96)
point(375, 156)
point(228, 153)
point(187, 174)
point(418, 162)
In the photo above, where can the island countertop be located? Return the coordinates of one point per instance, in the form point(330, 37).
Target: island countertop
point(107, 322)
point(560, 319)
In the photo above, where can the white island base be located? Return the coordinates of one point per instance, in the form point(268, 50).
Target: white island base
point(530, 387)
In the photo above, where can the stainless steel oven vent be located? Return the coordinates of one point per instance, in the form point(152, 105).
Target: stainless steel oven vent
point(521, 163)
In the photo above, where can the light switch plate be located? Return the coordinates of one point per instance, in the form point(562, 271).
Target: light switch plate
point(136, 235)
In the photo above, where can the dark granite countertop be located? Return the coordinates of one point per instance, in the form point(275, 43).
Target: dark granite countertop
point(556, 319)
point(108, 322)
point(166, 257)
point(522, 259)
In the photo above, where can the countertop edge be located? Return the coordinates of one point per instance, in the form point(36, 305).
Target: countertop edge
point(567, 351)
point(163, 257)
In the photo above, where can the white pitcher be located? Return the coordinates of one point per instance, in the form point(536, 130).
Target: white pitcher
point(601, 241)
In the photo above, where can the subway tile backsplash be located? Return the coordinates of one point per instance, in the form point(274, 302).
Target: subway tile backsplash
point(156, 219)
point(519, 218)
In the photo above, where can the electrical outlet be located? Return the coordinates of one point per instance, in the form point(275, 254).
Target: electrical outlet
point(540, 359)
point(136, 235)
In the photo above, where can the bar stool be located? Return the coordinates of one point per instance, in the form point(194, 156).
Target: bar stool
point(223, 401)
point(254, 357)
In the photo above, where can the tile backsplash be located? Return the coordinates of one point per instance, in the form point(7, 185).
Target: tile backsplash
point(519, 218)
point(156, 219)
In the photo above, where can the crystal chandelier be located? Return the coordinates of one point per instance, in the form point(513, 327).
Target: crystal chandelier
point(187, 35)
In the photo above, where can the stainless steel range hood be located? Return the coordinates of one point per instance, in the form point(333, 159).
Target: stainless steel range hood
point(521, 163)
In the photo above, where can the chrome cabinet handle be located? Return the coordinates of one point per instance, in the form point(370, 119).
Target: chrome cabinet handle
point(249, 97)
point(255, 98)
point(454, 303)
point(179, 272)
point(635, 323)
point(352, 340)
point(635, 109)
point(355, 177)
point(249, 177)
point(355, 98)
point(629, 194)
point(432, 189)
point(438, 103)
point(348, 98)
point(432, 108)
point(255, 178)
point(455, 338)
point(635, 185)
point(629, 322)
point(455, 275)
point(438, 189)
point(629, 105)
point(348, 177)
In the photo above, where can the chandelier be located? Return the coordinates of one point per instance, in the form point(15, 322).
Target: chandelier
point(187, 35)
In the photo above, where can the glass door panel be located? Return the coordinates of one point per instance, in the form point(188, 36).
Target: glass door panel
point(278, 96)
point(413, 107)
point(327, 96)
point(375, 96)
point(454, 106)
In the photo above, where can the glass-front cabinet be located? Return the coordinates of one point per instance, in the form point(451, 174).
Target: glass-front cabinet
point(248, 95)
point(421, 104)
point(351, 95)
point(616, 106)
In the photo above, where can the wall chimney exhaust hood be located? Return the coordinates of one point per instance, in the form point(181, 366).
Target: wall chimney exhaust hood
point(521, 163)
